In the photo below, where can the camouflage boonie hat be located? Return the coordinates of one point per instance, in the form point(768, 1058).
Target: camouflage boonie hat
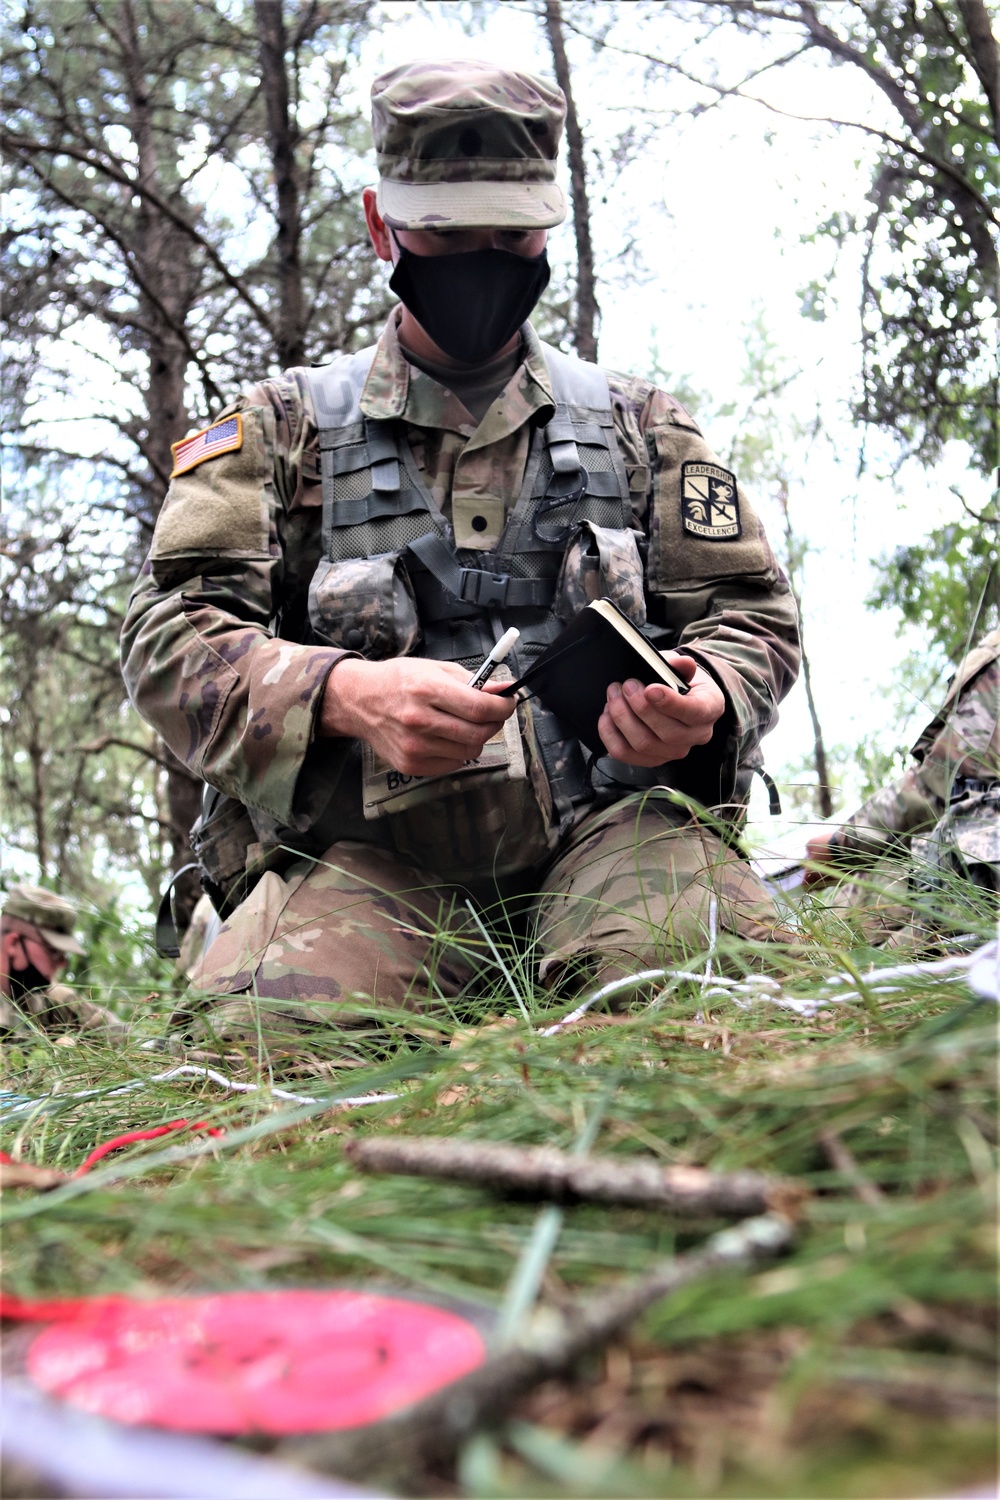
point(465, 144)
point(52, 915)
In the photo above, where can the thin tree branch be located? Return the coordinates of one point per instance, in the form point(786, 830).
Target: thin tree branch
point(545, 1172)
point(98, 746)
point(26, 148)
point(176, 327)
point(431, 1430)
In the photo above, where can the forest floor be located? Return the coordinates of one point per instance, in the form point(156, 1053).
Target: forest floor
point(860, 1363)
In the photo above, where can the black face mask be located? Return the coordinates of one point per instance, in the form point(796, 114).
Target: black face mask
point(472, 303)
point(29, 978)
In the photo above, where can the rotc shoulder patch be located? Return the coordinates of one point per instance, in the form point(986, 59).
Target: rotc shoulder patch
point(222, 437)
point(709, 504)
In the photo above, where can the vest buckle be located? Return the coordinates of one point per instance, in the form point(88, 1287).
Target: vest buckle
point(489, 590)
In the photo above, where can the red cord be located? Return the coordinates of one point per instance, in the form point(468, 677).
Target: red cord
point(126, 1140)
point(71, 1307)
point(142, 1135)
point(53, 1310)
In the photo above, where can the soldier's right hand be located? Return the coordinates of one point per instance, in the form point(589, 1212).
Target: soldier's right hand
point(817, 866)
point(420, 716)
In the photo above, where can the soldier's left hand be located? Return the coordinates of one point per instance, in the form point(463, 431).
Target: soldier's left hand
point(645, 726)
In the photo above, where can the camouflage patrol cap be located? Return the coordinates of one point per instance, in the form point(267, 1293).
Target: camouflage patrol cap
point(463, 144)
point(52, 915)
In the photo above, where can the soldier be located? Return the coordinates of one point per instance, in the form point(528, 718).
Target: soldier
point(344, 544)
point(941, 815)
point(202, 930)
point(36, 939)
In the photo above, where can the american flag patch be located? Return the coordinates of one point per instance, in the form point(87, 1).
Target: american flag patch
point(223, 437)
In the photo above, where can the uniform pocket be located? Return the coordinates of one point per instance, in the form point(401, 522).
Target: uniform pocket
point(366, 605)
point(601, 563)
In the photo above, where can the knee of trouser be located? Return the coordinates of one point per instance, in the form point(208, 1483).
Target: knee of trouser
point(619, 956)
point(247, 1021)
point(618, 942)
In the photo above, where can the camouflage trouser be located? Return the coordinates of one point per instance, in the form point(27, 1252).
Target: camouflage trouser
point(638, 885)
point(878, 905)
point(900, 902)
point(58, 1008)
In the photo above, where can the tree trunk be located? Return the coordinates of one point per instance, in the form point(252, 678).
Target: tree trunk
point(165, 261)
point(163, 257)
point(794, 553)
point(587, 311)
point(282, 139)
point(824, 795)
point(36, 756)
point(985, 55)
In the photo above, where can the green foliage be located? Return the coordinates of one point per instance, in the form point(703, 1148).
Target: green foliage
point(928, 240)
point(145, 284)
point(947, 585)
point(875, 1320)
point(120, 967)
point(82, 786)
point(929, 285)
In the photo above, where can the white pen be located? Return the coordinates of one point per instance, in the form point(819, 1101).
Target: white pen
point(490, 663)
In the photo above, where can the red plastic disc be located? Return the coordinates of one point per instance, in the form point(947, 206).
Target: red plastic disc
point(278, 1362)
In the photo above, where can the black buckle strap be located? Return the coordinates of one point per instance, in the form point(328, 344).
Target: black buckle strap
point(488, 590)
point(167, 935)
point(478, 586)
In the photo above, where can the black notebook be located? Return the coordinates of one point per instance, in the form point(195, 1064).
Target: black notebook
point(598, 647)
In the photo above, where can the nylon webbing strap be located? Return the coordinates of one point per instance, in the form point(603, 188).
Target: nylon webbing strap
point(563, 452)
point(475, 585)
point(167, 936)
point(383, 454)
point(336, 389)
point(577, 383)
point(773, 795)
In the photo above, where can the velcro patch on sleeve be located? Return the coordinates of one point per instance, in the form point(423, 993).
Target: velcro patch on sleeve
point(222, 509)
point(710, 507)
point(222, 437)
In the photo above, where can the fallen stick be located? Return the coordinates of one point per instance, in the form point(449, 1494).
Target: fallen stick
point(842, 1160)
point(433, 1429)
point(545, 1172)
point(24, 1174)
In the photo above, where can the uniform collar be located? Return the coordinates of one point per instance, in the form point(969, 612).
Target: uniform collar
point(394, 388)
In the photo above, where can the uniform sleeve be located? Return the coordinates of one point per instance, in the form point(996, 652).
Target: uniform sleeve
point(962, 740)
point(885, 822)
point(713, 587)
point(202, 666)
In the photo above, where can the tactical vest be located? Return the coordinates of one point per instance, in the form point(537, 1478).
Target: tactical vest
point(392, 582)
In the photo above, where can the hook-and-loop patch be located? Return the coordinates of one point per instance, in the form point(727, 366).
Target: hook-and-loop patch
point(710, 507)
point(222, 437)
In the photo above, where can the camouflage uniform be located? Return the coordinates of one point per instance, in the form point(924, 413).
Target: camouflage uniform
point(218, 656)
point(942, 813)
point(34, 912)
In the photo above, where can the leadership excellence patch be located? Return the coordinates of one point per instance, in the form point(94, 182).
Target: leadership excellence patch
point(709, 504)
point(222, 437)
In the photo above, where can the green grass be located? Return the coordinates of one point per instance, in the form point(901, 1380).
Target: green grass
point(861, 1364)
